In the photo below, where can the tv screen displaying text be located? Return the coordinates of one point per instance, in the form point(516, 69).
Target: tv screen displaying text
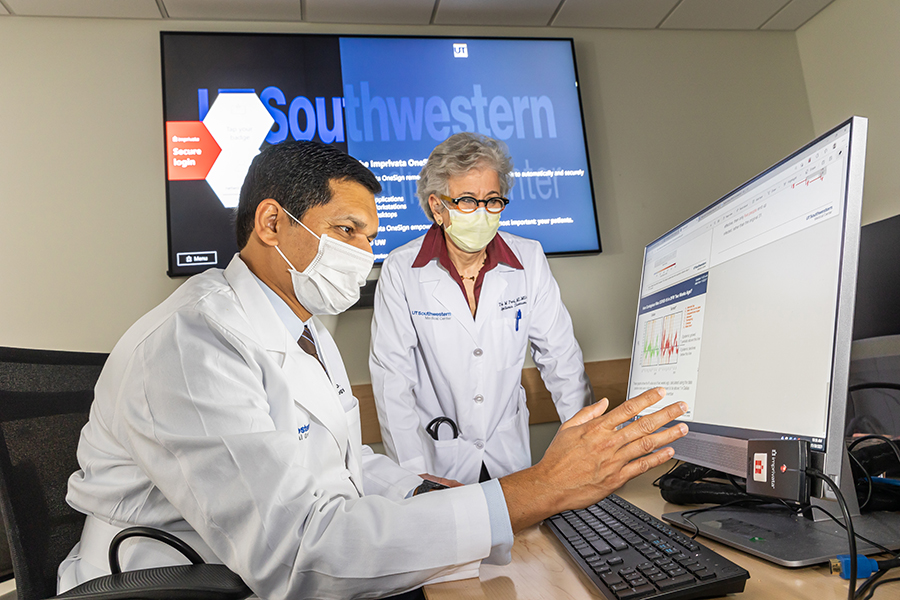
point(388, 101)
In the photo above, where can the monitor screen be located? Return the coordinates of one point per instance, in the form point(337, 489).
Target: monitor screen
point(878, 290)
point(387, 101)
point(740, 307)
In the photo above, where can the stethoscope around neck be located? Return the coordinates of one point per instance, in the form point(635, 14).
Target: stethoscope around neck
point(435, 424)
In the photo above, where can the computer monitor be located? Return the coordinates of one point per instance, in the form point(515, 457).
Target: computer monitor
point(745, 313)
point(875, 355)
point(386, 100)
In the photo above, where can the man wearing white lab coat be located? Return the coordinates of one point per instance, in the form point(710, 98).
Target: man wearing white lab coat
point(210, 422)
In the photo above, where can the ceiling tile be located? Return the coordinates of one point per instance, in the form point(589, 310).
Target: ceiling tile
point(496, 12)
point(722, 14)
point(795, 14)
point(397, 12)
point(234, 10)
point(627, 14)
point(120, 9)
point(3, 11)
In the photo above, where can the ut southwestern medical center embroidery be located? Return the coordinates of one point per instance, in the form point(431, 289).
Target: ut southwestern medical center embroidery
point(432, 316)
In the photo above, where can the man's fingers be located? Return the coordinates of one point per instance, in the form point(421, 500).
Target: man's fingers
point(647, 425)
point(631, 408)
point(644, 445)
point(647, 462)
point(592, 411)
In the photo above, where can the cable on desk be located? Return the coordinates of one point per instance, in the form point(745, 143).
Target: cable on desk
point(874, 385)
point(875, 436)
point(672, 468)
point(851, 535)
point(876, 583)
point(868, 478)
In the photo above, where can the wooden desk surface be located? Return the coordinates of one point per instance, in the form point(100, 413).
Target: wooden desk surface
point(541, 567)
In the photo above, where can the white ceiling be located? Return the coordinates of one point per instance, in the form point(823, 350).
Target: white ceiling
point(784, 15)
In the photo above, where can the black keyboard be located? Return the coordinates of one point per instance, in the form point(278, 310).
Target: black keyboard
point(629, 554)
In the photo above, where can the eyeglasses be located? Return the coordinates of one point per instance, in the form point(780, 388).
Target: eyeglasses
point(469, 204)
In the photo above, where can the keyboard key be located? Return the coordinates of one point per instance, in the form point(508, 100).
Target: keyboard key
point(635, 592)
point(665, 563)
point(617, 543)
point(675, 582)
point(611, 579)
point(564, 528)
point(601, 547)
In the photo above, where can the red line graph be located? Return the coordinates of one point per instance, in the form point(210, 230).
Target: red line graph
point(817, 176)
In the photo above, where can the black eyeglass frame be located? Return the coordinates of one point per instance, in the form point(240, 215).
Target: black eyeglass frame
point(477, 202)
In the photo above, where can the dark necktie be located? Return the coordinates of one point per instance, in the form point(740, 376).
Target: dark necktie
point(307, 344)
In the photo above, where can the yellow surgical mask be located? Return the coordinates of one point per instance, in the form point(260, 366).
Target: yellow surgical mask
point(471, 232)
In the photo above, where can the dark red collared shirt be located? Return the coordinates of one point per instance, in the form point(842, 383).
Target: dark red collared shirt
point(435, 246)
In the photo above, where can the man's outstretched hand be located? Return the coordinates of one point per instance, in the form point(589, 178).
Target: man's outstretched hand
point(590, 458)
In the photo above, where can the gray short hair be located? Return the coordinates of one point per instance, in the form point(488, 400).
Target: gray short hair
point(457, 155)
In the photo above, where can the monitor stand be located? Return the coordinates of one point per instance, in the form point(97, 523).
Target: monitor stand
point(784, 538)
point(779, 535)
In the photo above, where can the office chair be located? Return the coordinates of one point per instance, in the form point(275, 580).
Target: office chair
point(45, 399)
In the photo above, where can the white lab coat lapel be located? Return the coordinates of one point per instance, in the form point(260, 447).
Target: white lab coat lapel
point(492, 289)
point(447, 293)
point(309, 385)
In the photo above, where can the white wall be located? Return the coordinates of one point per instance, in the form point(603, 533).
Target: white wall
point(851, 59)
point(675, 119)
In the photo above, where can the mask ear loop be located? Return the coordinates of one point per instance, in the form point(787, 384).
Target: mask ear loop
point(285, 258)
point(447, 208)
point(299, 222)
point(311, 233)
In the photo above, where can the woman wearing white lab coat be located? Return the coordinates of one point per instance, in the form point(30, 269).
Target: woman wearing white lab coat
point(455, 311)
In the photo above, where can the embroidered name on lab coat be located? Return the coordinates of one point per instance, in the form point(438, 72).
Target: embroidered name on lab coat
point(432, 316)
point(514, 303)
point(303, 432)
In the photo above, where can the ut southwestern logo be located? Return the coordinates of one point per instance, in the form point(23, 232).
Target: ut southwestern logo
point(461, 50)
point(369, 115)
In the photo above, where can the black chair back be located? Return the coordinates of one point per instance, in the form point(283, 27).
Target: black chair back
point(45, 398)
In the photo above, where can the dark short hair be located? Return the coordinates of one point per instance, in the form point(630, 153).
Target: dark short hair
point(298, 176)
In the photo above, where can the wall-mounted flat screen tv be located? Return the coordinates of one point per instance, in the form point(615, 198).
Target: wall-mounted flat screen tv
point(388, 101)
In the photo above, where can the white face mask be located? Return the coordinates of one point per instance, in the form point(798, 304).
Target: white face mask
point(330, 284)
point(472, 231)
